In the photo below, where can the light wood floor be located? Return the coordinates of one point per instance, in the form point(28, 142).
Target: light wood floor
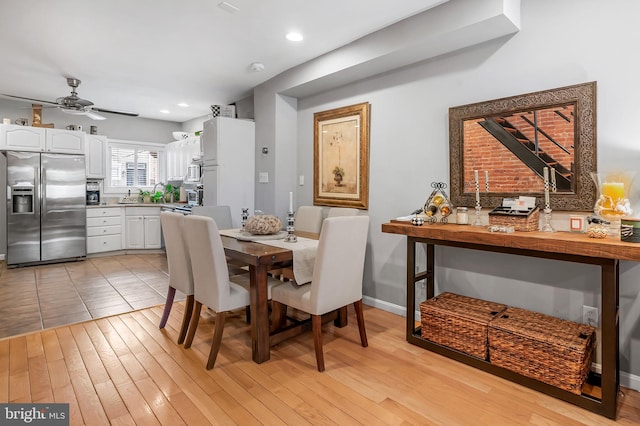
point(124, 370)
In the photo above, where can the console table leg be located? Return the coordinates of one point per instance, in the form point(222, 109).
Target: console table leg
point(610, 337)
point(411, 287)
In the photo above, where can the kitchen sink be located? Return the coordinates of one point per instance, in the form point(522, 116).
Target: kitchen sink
point(129, 200)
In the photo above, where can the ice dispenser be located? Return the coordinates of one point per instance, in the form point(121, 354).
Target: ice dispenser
point(22, 198)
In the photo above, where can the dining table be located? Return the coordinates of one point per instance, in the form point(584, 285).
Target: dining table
point(261, 257)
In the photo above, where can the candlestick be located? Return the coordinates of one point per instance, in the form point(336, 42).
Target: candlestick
point(290, 201)
point(486, 181)
point(477, 185)
point(546, 187)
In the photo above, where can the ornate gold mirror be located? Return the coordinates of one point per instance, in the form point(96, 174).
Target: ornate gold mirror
point(513, 139)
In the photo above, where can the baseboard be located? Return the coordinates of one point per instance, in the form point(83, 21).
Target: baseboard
point(1, 256)
point(627, 380)
point(385, 306)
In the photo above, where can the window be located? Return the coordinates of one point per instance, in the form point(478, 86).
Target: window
point(134, 165)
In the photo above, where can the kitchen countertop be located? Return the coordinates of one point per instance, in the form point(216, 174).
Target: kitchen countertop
point(136, 205)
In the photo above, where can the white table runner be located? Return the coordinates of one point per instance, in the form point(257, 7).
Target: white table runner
point(304, 253)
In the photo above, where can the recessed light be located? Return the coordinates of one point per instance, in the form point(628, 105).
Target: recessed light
point(165, 111)
point(183, 104)
point(294, 36)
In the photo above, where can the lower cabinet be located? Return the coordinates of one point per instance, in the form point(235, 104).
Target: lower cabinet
point(104, 229)
point(142, 228)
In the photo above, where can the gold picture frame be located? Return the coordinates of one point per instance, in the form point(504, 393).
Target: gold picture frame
point(341, 157)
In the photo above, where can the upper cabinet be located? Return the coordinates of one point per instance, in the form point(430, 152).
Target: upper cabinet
point(64, 141)
point(25, 138)
point(95, 150)
point(21, 138)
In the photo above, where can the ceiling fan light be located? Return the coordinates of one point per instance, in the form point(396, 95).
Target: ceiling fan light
point(73, 111)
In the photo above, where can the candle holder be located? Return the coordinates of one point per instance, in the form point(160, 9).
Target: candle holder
point(291, 236)
point(245, 216)
point(546, 221)
point(478, 221)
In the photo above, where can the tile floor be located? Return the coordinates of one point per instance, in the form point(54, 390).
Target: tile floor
point(38, 297)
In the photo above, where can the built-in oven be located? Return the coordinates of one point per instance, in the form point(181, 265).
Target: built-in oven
point(93, 193)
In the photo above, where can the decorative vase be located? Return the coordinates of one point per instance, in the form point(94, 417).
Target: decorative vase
point(612, 202)
point(338, 179)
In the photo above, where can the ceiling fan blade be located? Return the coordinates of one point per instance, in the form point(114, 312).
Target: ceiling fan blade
point(95, 116)
point(40, 101)
point(127, 113)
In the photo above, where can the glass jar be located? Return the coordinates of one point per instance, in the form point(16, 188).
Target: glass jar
point(462, 216)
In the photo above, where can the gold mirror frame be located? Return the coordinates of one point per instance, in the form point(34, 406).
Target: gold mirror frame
point(582, 195)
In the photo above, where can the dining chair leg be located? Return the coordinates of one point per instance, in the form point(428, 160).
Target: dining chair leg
point(316, 327)
point(195, 317)
point(171, 293)
point(186, 319)
point(279, 315)
point(360, 317)
point(217, 339)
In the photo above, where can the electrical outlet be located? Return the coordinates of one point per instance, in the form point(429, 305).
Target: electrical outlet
point(590, 315)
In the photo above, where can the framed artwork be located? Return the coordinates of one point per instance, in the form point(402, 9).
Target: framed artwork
point(341, 157)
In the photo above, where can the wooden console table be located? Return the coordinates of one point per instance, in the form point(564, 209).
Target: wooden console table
point(565, 246)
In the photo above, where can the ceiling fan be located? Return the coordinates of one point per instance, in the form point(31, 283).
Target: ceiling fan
point(73, 104)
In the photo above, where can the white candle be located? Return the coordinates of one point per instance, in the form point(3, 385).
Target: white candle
point(475, 172)
point(486, 180)
point(553, 179)
point(291, 201)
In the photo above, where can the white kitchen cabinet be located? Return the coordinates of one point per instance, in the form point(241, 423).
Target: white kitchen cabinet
point(95, 151)
point(179, 155)
point(104, 229)
point(64, 141)
point(25, 138)
point(228, 178)
point(21, 138)
point(142, 228)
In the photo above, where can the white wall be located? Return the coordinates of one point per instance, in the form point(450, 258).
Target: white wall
point(559, 44)
point(114, 127)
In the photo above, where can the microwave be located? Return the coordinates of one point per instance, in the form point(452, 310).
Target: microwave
point(194, 197)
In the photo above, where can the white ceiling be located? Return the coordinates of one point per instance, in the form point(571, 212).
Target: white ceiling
point(148, 55)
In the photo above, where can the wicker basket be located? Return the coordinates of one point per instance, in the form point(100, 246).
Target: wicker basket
point(521, 221)
point(459, 322)
point(548, 349)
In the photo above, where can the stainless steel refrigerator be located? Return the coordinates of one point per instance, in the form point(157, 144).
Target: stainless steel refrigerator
point(46, 218)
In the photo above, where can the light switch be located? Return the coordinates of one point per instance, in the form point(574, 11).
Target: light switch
point(263, 177)
point(301, 180)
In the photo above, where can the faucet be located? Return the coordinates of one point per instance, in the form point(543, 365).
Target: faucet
point(164, 188)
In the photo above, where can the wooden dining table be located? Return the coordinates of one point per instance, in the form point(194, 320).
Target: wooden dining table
point(261, 258)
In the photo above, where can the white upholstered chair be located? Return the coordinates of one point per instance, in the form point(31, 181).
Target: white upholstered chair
point(308, 219)
point(342, 211)
point(337, 279)
point(213, 287)
point(221, 214)
point(179, 262)
point(212, 284)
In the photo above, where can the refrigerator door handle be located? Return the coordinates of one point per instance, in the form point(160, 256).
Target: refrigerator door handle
point(8, 193)
point(43, 193)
